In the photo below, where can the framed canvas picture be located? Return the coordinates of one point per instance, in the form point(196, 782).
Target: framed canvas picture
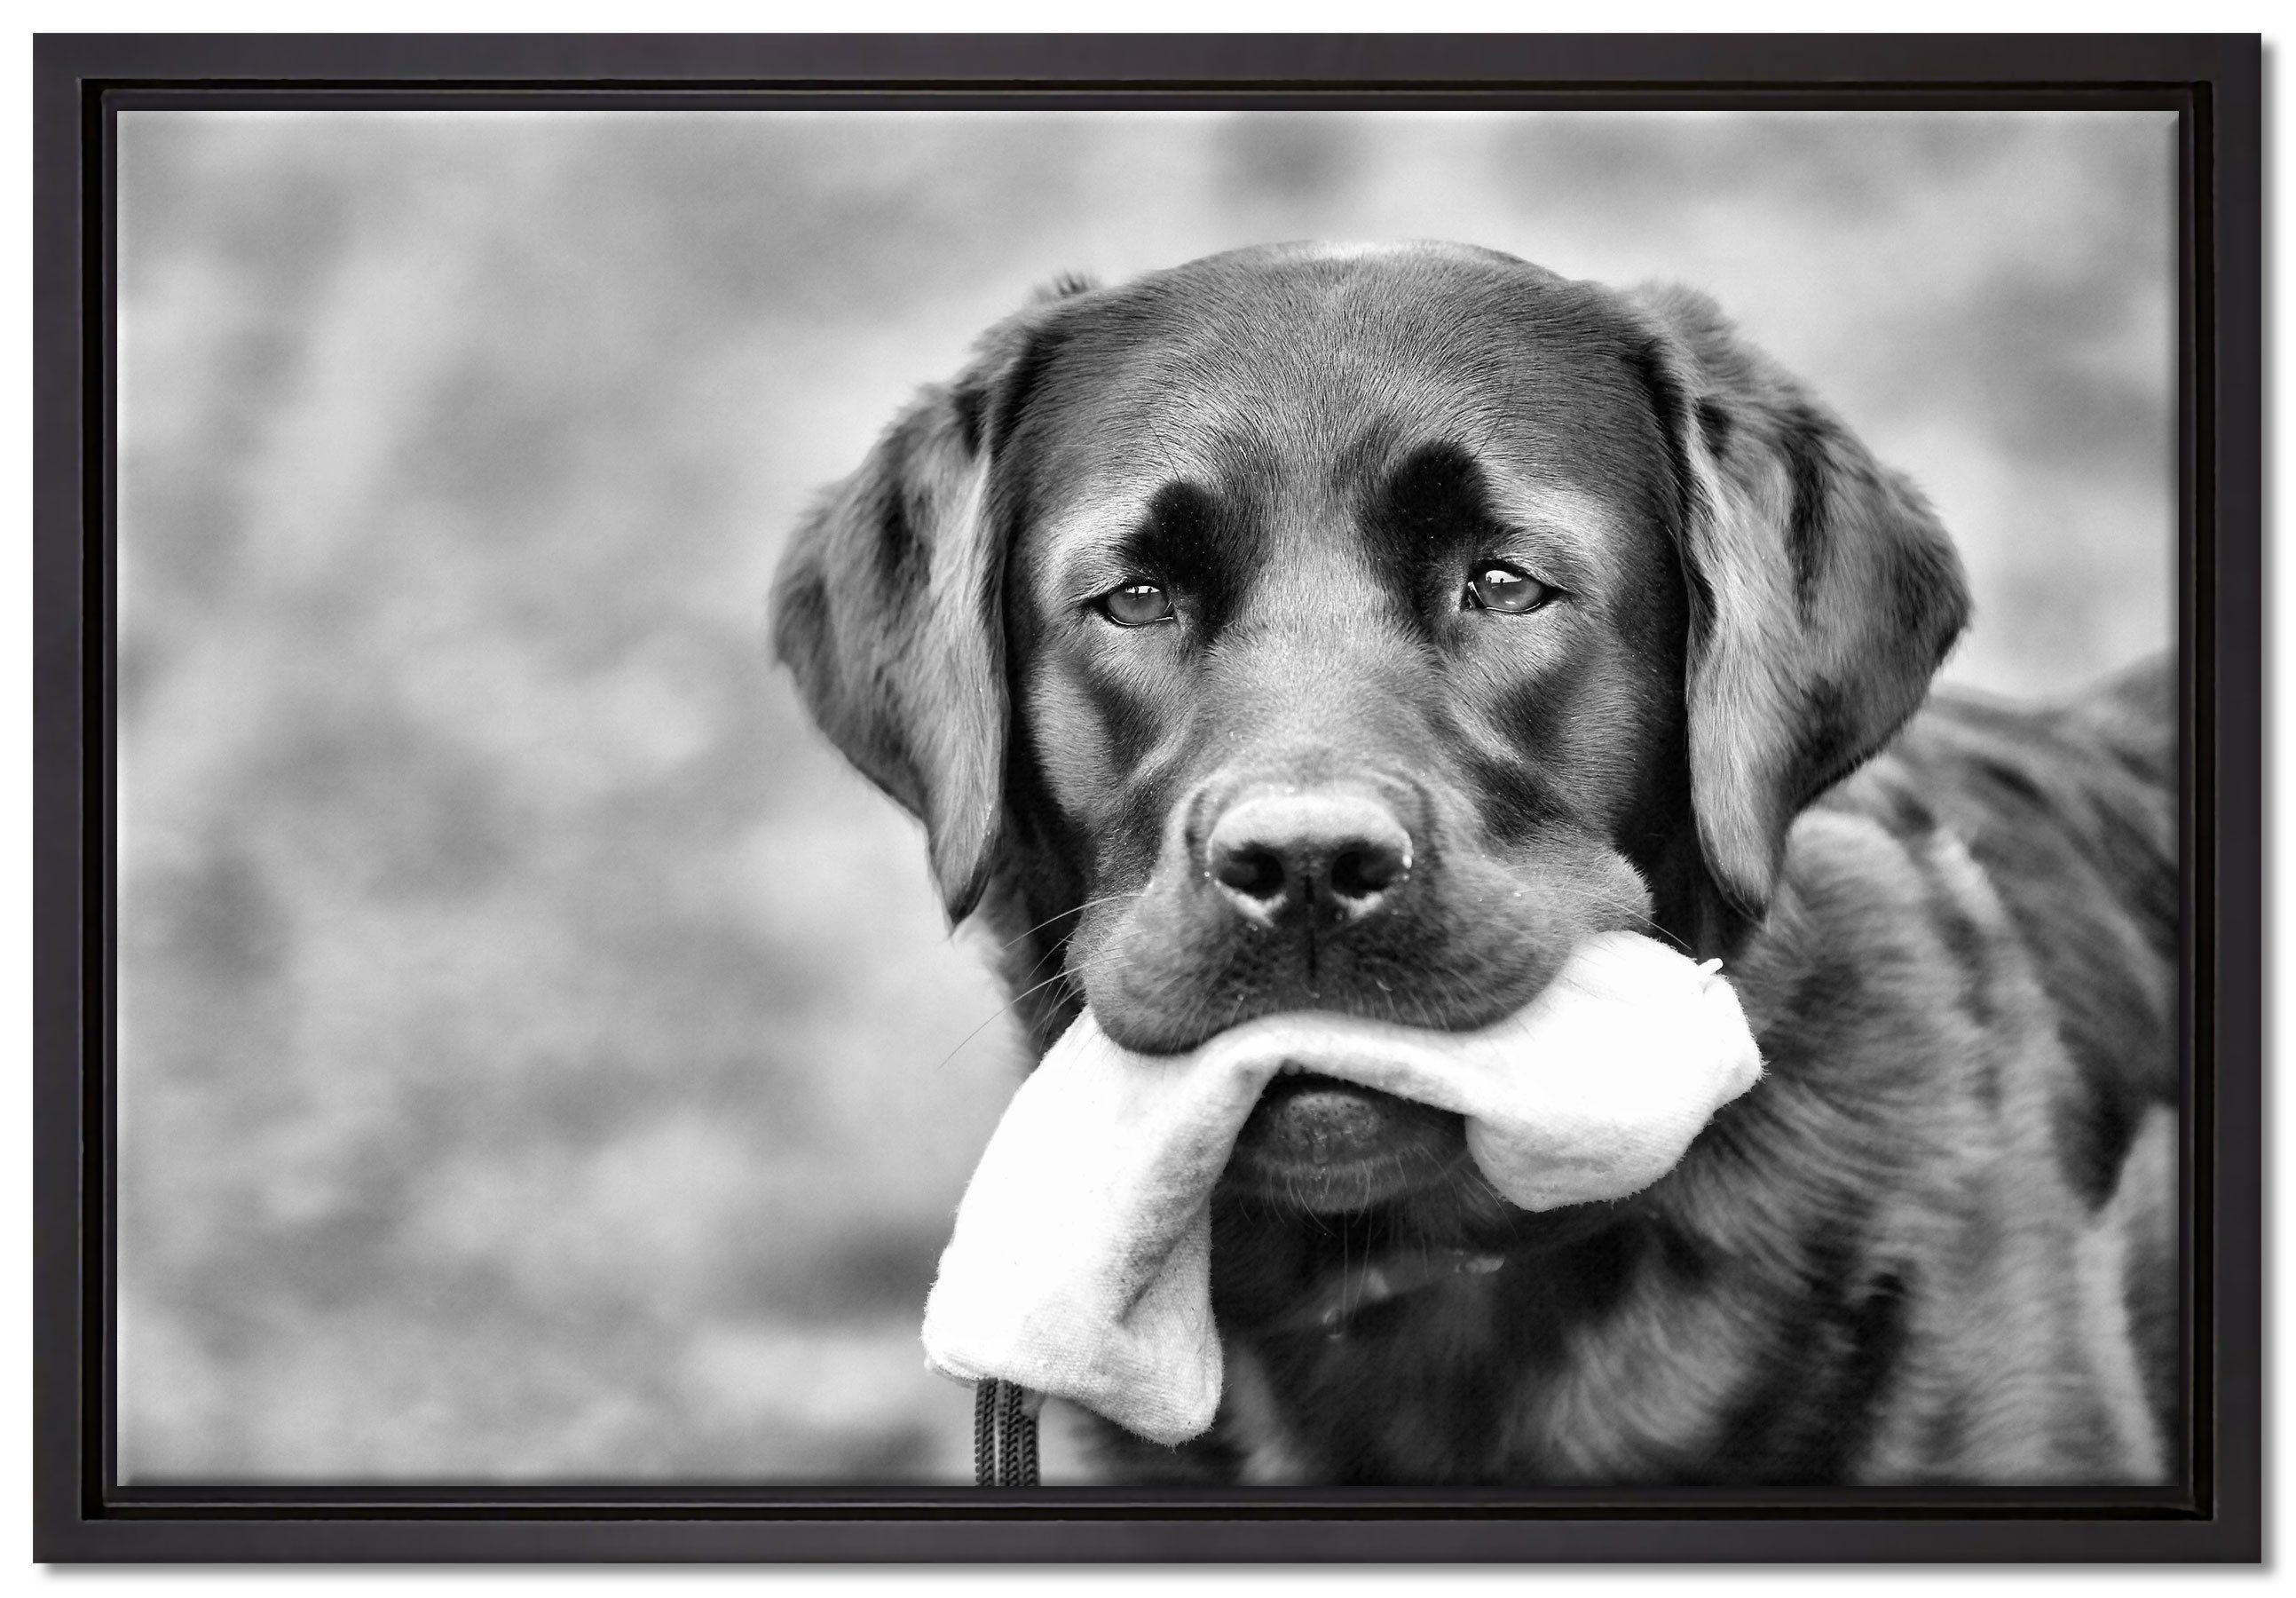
point(1148, 798)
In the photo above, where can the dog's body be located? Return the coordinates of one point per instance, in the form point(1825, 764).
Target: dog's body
point(1360, 630)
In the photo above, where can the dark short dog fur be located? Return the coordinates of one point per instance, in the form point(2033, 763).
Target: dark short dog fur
point(1362, 628)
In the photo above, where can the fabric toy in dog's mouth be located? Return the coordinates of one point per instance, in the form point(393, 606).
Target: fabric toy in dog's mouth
point(1080, 1264)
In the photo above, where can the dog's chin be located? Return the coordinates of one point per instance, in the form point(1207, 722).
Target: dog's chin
point(1328, 1147)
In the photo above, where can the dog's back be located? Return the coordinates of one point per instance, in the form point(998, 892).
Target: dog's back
point(2070, 810)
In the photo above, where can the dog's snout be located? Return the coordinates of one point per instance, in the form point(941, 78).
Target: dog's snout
point(1275, 857)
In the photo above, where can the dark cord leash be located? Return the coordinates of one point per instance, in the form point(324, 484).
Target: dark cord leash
point(1004, 1436)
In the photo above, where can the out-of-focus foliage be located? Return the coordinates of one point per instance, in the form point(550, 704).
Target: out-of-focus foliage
point(539, 1055)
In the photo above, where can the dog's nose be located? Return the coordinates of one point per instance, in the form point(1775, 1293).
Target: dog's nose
point(1278, 856)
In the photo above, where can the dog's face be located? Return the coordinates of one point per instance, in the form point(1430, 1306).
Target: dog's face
point(1359, 630)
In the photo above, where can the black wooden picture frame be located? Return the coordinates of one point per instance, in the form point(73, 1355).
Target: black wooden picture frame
point(2213, 83)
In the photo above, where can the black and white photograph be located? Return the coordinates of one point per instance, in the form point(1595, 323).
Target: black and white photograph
point(1233, 799)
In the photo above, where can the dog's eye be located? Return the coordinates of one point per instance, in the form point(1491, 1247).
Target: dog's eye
point(1508, 591)
point(1136, 605)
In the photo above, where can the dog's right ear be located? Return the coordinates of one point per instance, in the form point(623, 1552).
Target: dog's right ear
point(887, 609)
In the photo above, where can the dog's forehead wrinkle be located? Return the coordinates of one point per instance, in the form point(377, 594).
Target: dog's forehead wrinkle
point(1080, 549)
point(1587, 531)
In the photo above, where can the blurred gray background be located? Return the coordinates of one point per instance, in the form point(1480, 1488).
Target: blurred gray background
point(540, 1057)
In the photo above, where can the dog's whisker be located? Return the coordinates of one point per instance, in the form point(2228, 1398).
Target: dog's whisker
point(1066, 974)
point(1073, 910)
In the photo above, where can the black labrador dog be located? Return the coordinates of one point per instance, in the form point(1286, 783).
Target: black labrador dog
point(1360, 629)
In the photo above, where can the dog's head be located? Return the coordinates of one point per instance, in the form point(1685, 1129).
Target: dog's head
point(1359, 630)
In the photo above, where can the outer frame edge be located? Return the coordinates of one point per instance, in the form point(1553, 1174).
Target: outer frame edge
point(67, 1528)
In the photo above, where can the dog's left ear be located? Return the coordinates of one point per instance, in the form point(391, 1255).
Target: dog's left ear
point(1824, 593)
point(887, 609)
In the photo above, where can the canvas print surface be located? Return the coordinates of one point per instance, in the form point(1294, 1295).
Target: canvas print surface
point(597, 591)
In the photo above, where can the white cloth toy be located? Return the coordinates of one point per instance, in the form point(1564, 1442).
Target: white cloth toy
point(1080, 1264)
